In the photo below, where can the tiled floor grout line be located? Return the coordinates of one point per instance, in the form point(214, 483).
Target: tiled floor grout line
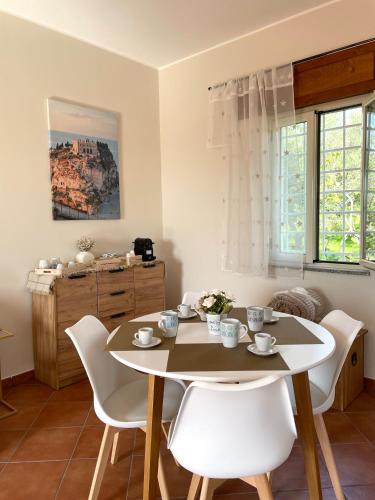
point(359, 430)
point(25, 434)
point(73, 451)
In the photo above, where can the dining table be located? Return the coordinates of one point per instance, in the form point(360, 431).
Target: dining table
point(196, 355)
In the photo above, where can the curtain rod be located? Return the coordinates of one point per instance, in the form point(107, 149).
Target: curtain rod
point(311, 58)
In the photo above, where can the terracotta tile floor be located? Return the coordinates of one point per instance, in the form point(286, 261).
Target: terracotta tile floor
point(48, 451)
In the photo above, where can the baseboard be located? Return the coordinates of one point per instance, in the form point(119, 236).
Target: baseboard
point(369, 384)
point(21, 378)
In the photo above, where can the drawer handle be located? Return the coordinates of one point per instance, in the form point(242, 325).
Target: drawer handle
point(118, 315)
point(77, 276)
point(119, 270)
point(119, 292)
point(354, 358)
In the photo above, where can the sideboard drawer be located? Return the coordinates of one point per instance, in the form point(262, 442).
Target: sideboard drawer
point(76, 297)
point(115, 280)
point(115, 303)
point(115, 320)
point(142, 273)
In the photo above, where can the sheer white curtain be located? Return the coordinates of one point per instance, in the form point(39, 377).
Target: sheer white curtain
point(245, 116)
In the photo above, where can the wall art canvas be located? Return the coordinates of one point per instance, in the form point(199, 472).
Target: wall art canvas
point(84, 161)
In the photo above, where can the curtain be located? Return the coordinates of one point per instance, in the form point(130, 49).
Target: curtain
point(245, 116)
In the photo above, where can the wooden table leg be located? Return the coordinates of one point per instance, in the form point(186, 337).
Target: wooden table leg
point(153, 434)
point(306, 432)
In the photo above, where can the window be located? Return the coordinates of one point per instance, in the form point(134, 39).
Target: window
point(323, 193)
point(339, 193)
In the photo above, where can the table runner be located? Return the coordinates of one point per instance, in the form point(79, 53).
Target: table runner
point(215, 357)
point(122, 340)
point(287, 330)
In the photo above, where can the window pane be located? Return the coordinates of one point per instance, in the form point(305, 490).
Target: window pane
point(293, 188)
point(340, 185)
point(370, 183)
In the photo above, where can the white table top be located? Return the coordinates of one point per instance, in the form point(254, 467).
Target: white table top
point(299, 358)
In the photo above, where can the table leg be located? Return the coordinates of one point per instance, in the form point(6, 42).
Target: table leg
point(306, 432)
point(153, 434)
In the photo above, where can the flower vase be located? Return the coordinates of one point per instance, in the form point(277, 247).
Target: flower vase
point(85, 258)
point(213, 323)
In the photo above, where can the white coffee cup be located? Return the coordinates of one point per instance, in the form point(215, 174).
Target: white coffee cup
point(144, 335)
point(184, 309)
point(231, 331)
point(264, 341)
point(255, 317)
point(43, 264)
point(268, 313)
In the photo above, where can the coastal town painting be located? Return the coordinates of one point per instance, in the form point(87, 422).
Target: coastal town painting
point(84, 161)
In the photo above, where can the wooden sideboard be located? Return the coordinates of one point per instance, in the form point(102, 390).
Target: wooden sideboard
point(113, 296)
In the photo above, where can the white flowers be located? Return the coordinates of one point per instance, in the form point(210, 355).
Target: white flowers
point(215, 302)
point(209, 302)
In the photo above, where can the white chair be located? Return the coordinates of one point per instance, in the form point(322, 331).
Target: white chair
point(225, 431)
point(120, 394)
point(191, 298)
point(323, 379)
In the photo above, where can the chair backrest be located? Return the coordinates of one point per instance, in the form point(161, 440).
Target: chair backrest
point(89, 337)
point(344, 329)
point(191, 298)
point(233, 430)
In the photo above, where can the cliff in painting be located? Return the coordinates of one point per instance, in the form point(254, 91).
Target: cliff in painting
point(84, 166)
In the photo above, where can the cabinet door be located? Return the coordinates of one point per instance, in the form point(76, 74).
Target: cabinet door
point(149, 296)
point(76, 296)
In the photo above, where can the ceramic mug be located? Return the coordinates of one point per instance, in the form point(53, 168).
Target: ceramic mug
point(213, 323)
point(144, 335)
point(264, 341)
point(184, 310)
point(43, 264)
point(268, 313)
point(231, 331)
point(255, 318)
point(169, 323)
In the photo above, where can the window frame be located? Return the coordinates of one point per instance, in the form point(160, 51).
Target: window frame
point(310, 115)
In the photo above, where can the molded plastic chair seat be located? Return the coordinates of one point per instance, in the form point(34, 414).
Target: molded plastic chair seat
point(225, 431)
point(323, 379)
point(320, 401)
point(127, 405)
point(120, 395)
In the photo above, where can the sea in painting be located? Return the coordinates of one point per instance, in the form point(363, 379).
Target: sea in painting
point(84, 162)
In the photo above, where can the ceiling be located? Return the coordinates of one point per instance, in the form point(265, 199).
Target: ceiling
point(156, 32)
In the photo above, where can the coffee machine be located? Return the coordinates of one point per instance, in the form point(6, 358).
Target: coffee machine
point(143, 246)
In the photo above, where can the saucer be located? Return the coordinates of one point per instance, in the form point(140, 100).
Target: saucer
point(274, 319)
point(192, 314)
point(254, 350)
point(154, 342)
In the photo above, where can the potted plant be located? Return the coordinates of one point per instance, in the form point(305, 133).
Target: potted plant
point(84, 245)
point(214, 305)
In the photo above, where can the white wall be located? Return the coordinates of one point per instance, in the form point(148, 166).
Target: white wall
point(192, 176)
point(36, 63)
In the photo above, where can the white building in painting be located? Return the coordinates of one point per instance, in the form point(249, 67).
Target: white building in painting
point(84, 147)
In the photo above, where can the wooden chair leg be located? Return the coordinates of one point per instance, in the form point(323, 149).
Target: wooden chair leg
point(204, 490)
point(101, 463)
point(194, 486)
point(209, 486)
point(162, 482)
point(115, 448)
point(325, 445)
point(263, 487)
